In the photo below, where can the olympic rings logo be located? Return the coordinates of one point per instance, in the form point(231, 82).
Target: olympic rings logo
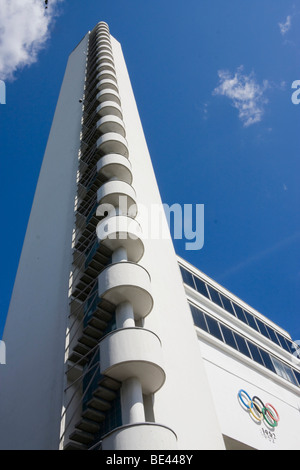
point(258, 410)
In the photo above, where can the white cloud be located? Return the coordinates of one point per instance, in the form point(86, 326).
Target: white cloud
point(246, 94)
point(24, 31)
point(285, 27)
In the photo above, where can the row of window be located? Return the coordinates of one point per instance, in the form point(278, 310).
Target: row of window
point(231, 307)
point(246, 347)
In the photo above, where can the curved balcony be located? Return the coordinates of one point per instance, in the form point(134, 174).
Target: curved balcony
point(108, 95)
point(103, 52)
point(104, 48)
point(111, 123)
point(103, 34)
point(115, 166)
point(102, 23)
point(102, 28)
point(122, 231)
point(103, 42)
point(119, 195)
point(140, 436)
point(106, 83)
point(106, 75)
point(133, 352)
point(104, 58)
point(109, 107)
point(104, 66)
point(112, 143)
point(127, 282)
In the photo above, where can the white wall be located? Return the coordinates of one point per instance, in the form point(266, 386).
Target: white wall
point(184, 403)
point(227, 375)
point(32, 380)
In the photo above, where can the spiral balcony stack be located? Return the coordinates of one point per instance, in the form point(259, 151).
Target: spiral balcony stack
point(115, 363)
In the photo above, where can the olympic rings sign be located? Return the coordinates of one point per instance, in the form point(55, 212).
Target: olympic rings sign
point(258, 410)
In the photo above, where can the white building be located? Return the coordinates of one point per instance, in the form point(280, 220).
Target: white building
point(245, 355)
point(102, 351)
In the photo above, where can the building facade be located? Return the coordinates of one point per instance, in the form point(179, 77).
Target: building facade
point(109, 341)
point(252, 367)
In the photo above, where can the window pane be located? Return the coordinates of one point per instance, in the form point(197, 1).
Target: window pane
point(251, 320)
point(283, 342)
point(215, 296)
point(292, 346)
point(295, 348)
point(200, 286)
point(240, 313)
point(255, 353)
point(262, 328)
point(267, 360)
point(272, 335)
point(242, 345)
point(198, 318)
point(228, 336)
point(297, 374)
point(213, 327)
point(187, 277)
point(227, 304)
point(284, 371)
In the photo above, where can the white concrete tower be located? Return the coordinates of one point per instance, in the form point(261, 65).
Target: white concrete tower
point(100, 340)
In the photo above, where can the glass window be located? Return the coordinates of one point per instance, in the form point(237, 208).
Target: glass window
point(255, 353)
point(297, 374)
point(251, 320)
point(240, 313)
point(215, 296)
point(201, 286)
point(291, 345)
point(228, 336)
point(284, 371)
point(272, 335)
point(262, 328)
point(187, 277)
point(227, 304)
point(295, 348)
point(283, 342)
point(198, 317)
point(242, 345)
point(213, 327)
point(267, 360)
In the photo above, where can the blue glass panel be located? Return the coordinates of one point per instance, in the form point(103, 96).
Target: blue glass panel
point(262, 328)
point(214, 295)
point(198, 317)
point(267, 360)
point(255, 353)
point(251, 320)
point(283, 342)
point(187, 277)
point(227, 304)
point(240, 313)
point(228, 336)
point(213, 327)
point(201, 286)
point(242, 345)
point(272, 335)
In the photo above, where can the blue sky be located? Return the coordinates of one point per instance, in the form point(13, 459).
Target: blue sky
point(212, 81)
